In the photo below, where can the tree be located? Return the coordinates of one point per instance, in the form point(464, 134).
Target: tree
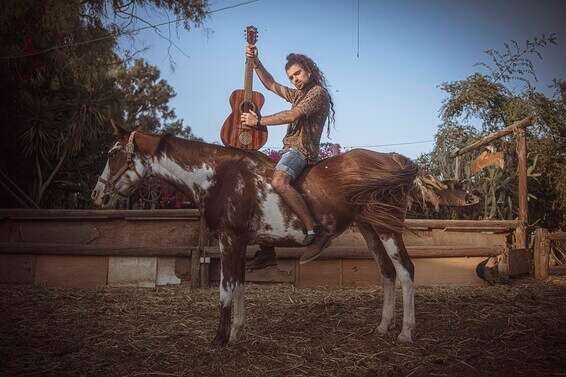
point(58, 91)
point(495, 101)
point(145, 100)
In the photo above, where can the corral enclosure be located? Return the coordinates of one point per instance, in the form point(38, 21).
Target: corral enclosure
point(78, 303)
point(87, 248)
point(503, 330)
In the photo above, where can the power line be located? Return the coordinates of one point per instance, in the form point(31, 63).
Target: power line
point(373, 146)
point(117, 34)
point(390, 145)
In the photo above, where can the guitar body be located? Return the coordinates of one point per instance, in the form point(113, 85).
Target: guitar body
point(233, 133)
point(242, 101)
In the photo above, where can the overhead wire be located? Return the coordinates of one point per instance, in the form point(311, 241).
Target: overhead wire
point(374, 145)
point(117, 34)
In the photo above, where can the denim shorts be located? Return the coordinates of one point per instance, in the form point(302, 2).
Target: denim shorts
point(292, 163)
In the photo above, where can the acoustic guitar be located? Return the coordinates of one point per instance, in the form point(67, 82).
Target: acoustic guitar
point(233, 133)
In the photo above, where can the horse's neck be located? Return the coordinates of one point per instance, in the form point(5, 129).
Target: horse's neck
point(193, 176)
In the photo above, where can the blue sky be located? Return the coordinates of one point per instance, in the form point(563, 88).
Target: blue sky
point(389, 94)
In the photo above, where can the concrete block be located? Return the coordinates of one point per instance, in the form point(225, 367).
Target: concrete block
point(166, 271)
point(132, 271)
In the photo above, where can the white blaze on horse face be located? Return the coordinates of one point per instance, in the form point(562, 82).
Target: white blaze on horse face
point(273, 218)
point(98, 190)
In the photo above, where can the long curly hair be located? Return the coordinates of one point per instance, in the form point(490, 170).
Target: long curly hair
point(317, 76)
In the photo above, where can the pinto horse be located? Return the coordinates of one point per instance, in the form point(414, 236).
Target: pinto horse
point(233, 191)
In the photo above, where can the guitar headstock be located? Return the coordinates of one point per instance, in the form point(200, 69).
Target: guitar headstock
point(251, 35)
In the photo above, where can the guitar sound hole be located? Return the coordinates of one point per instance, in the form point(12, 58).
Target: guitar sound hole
point(246, 107)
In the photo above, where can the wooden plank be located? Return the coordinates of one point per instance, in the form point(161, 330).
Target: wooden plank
point(283, 272)
point(520, 262)
point(473, 229)
point(541, 254)
point(447, 272)
point(556, 236)
point(528, 121)
point(195, 267)
point(428, 272)
point(486, 159)
point(84, 250)
point(61, 214)
point(319, 273)
point(17, 269)
point(333, 252)
point(204, 261)
point(360, 273)
point(132, 271)
point(480, 224)
point(71, 271)
point(558, 270)
point(183, 268)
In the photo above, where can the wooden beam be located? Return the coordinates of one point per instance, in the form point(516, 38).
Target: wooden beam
point(204, 261)
point(528, 121)
point(481, 225)
point(195, 268)
point(541, 254)
point(521, 231)
point(363, 253)
point(95, 214)
point(557, 236)
point(82, 249)
point(457, 168)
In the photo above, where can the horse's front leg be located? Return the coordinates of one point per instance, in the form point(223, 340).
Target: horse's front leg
point(232, 277)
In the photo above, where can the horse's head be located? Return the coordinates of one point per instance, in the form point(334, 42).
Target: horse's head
point(124, 170)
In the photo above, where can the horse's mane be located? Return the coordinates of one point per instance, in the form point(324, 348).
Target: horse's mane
point(167, 141)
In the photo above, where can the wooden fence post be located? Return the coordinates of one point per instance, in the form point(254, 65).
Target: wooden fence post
point(521, 231)
point(457, 168)
point(195, 267)
point(541, 254)
point(204, 260)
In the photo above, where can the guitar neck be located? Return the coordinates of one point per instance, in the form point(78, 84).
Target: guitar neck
point(248, 80)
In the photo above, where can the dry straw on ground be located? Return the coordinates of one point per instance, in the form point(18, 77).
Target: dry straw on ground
point(513, 330)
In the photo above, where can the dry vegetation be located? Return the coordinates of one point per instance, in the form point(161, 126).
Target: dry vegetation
point(517, 330)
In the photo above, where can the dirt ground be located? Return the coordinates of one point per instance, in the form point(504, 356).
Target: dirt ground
point(506, 330)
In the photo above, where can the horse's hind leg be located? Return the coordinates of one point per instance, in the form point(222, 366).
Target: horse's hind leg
point(239, 294)
point(395, 248)
point(387, 271)
point(232, 261)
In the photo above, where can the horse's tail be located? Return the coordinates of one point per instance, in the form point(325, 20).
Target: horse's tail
point(378, 188)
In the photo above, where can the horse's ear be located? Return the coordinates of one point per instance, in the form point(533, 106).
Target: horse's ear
point(117, 131)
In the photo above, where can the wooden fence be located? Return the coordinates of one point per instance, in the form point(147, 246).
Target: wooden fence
point(88, 248)
point(543, 244)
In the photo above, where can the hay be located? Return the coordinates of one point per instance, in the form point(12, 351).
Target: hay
point(517, 330)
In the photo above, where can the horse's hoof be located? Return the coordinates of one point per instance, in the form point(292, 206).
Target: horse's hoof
point(403, 338)
point(220, 340)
